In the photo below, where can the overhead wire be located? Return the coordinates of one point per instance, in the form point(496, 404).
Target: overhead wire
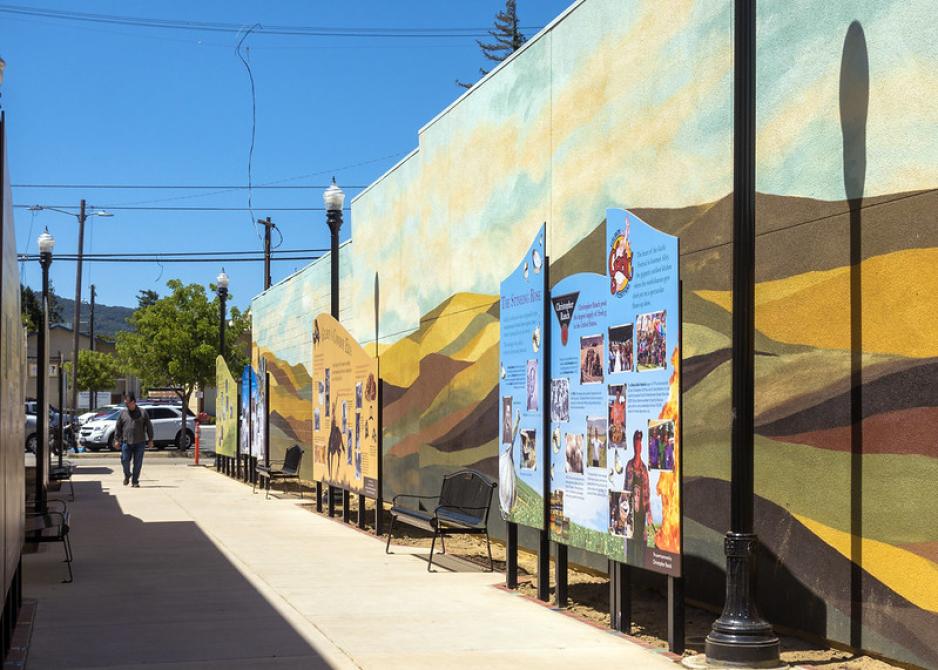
point(217, 26)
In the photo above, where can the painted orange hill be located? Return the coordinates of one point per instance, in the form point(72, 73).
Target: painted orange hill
point(910, 431)
point(813, 308)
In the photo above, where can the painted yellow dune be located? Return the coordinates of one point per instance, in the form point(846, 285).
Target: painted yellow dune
point(814, 308)
point(911, 576)
point(400, 363)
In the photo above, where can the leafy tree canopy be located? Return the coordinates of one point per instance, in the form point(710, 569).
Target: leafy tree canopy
point(174, 341)
point(31, 307)
point(97, 370)
point(146, 297)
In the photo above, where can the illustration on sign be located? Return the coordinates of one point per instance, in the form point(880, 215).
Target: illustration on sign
point(345, 410)
point(226, 410)
point(522, 460)
point(615, 357)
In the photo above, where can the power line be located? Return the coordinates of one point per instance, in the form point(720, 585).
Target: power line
point(179, 186)
point(217, 26)
point(72, 258)
point(186, 209)
point(170, 254)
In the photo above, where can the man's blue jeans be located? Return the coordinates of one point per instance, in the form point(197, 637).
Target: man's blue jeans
point(135, 452)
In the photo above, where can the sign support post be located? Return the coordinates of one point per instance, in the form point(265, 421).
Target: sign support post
point(511, 556)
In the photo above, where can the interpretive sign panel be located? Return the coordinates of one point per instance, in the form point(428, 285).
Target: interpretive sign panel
point(226, 410)
point(345, 410)
point(615, 436)
point(522, 458)
point(259, 409)
point(248, 384)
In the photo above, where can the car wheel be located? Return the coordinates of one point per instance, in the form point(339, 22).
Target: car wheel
point(184, 440)
point(31, 442)
point(94, 449)
point(110, 443)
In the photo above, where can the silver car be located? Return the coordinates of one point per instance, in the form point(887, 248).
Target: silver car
point(99, 433)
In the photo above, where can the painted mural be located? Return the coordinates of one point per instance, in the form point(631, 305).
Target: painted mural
point(621, 104)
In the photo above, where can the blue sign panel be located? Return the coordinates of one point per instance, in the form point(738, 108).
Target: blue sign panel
point(522, 458)
point(615, 401)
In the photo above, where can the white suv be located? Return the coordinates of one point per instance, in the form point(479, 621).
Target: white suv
point(99, 433)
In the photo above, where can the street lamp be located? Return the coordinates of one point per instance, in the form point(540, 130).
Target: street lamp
point(46, 243)
point(81, 216)
point(222, 283)
point(334, 198)
point(741, 637)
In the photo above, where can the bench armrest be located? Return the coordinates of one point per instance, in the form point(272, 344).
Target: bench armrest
point(407, 495)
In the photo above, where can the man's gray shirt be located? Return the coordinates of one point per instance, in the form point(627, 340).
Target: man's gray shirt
point(133, 427)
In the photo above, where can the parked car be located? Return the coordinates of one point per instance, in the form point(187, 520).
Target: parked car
point(96, 413)
point(54, 417)
point(98, 433)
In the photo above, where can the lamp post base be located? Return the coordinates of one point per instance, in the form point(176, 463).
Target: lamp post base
point(740, 638)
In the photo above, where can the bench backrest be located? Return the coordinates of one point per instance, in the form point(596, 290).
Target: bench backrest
point(469, 493)
point(292, 459)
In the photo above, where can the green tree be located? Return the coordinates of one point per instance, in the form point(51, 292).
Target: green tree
point(31, 307)
point(174, 341)
point(146, 297)
point(97, 370)
point(507, 37)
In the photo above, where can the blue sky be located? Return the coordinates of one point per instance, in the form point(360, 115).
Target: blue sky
point(109, 104)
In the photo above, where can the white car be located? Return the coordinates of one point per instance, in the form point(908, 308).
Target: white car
point(98, 433)
point(100, 412)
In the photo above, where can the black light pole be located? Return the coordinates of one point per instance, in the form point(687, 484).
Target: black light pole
point(92, 393)
point(222, 282)
point(46, 243)
point(740, 637)
point(82, 216)
point(334, 199)
point(268, 226)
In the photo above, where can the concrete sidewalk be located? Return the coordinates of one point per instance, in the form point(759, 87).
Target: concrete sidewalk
point(192, 571)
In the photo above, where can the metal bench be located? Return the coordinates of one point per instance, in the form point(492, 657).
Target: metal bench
point(462, 508)
point(50, 526)
point(289, 469)
point(63, 473)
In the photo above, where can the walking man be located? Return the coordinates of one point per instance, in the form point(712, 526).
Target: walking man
point(134, 431)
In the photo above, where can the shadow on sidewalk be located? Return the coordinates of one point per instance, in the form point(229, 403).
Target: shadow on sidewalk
point(149, 593)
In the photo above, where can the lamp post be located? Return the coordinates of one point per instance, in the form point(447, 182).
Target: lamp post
point(333, 197)
point(82, 216)
point(740, 637)
point(46, 243)
point(222, 282)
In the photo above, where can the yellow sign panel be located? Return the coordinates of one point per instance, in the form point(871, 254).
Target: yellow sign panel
point(345, 410)
point(226, 410)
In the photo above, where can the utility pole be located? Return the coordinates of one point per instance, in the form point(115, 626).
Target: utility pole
point(268, 225)
point(76, 322)
point(92, 394)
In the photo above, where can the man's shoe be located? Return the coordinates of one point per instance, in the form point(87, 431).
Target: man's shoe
point(126, 481)
point(136, 485)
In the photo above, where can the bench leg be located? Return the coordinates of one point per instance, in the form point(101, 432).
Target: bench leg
point(68, 559)
point(488, 545)
point(254, 486)
point(71, 486)
point(443, 542)
point(267, 495)
point(387, 547)
point(432, 546)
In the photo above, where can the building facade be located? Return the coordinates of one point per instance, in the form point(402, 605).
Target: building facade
point(629, 103)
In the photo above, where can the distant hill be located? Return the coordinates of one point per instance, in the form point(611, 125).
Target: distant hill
point(108, 320)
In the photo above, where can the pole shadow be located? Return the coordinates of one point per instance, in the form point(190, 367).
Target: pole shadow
point(854, 107)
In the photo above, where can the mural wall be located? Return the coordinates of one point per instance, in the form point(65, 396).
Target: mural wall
point(12, 380)
point(621, 104)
